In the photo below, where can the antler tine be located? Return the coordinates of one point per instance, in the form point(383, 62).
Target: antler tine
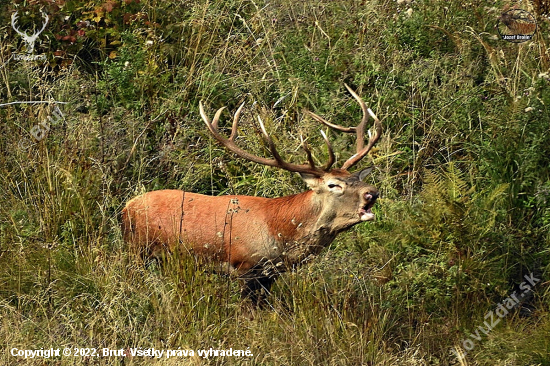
point(271, 144)
point(331, 156)
point(45, 23)
point(264, 131)
point(229, 143)
point(331, 125)
point(308, 152)
point(14, 18)
point(372, 140)
point(212, 126)
point(235, 122)
point(360, 130)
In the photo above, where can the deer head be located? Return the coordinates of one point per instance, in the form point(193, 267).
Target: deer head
point(28, 39)
point(336, 186)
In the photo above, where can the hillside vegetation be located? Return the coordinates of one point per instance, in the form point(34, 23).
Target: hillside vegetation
point(463, 168)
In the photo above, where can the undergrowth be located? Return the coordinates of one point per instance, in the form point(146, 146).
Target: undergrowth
point(462, 167)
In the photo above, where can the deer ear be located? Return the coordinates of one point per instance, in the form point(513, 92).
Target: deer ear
point(362, 174)
point(311, 180)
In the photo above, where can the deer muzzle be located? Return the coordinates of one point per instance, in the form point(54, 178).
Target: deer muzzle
point(365, 213)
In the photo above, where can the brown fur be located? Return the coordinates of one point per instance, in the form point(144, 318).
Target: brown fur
point(256, 237)
point(250, 236)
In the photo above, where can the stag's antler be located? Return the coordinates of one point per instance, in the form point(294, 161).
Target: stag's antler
point(28, 39)
point(309, 168)
point(362, 150)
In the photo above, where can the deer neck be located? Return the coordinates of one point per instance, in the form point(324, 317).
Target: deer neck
point(301, 216)
point(298, 228)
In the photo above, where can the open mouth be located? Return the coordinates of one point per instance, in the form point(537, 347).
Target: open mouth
point(365, 213)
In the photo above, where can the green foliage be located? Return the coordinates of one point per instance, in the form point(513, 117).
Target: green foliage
point(446, 246)
point(463, 168)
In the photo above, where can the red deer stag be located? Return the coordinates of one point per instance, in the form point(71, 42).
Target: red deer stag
point(517, 21)
point(257, 238)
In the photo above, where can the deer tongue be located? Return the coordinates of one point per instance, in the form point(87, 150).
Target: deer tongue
point(365, 212)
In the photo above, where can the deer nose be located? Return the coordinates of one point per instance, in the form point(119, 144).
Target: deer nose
point(371, 196)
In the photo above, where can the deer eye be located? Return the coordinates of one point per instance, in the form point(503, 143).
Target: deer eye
point(335, 188)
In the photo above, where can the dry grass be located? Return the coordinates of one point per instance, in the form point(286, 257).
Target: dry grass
point(462, 167)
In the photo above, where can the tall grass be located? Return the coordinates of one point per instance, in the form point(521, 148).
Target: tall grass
point(463, 168)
